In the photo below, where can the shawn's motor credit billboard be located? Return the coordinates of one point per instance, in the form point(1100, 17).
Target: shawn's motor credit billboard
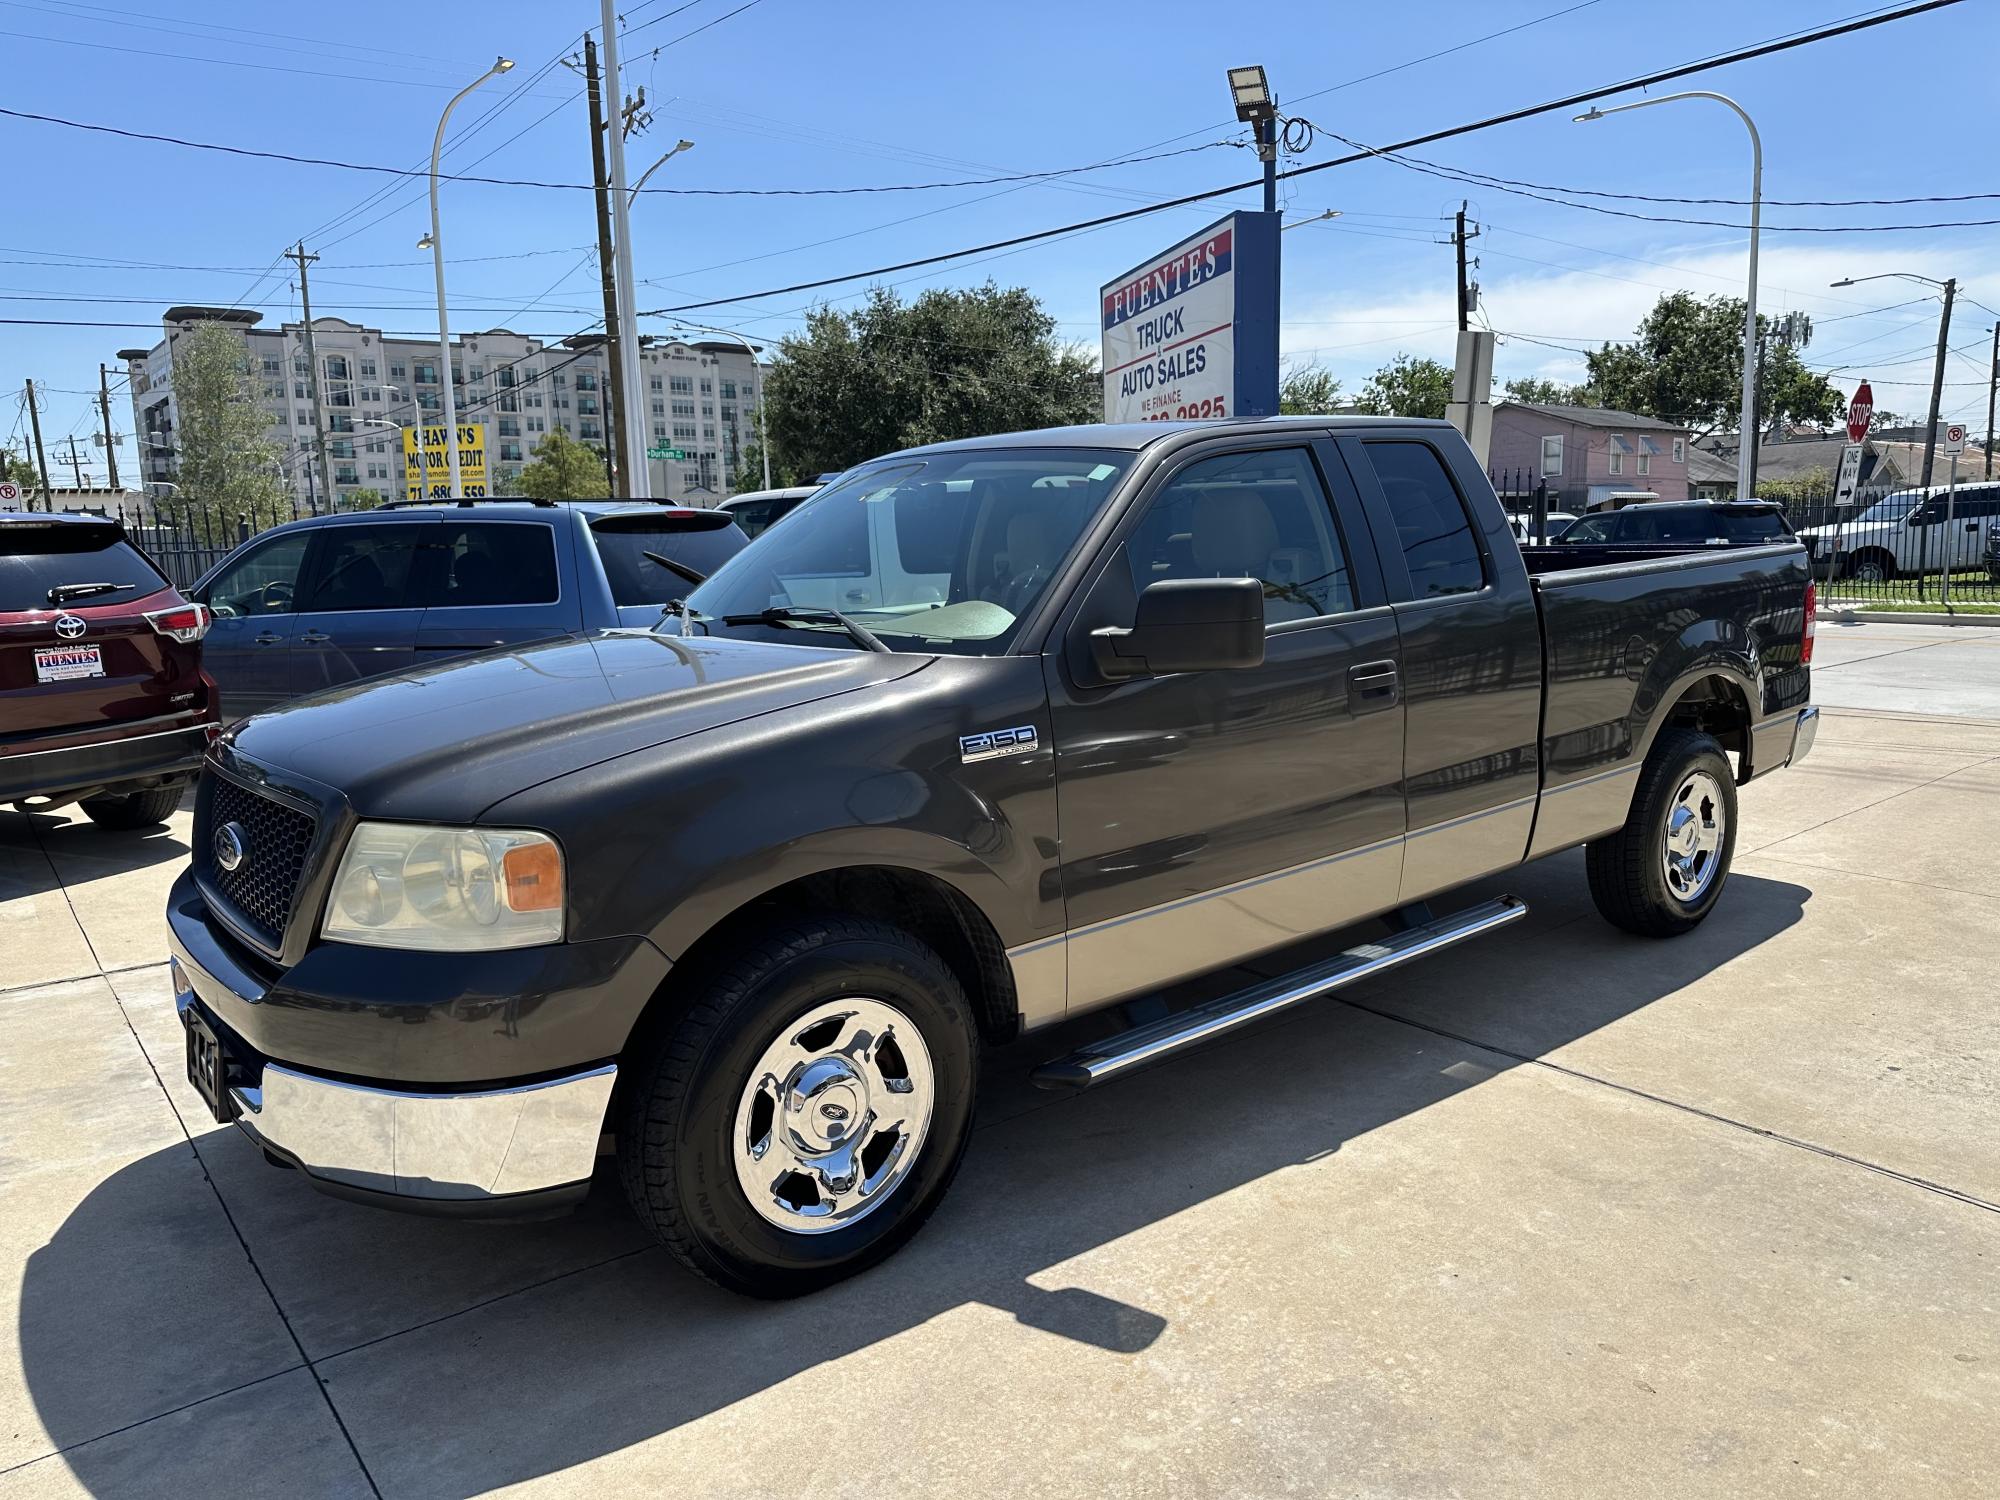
point(1193, 332)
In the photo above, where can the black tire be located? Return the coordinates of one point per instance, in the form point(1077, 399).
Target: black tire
point(145, 809)
point(1629, 877)
point(679, 1118)
point(1871, 565)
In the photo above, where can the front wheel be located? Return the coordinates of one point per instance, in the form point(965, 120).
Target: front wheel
point(1663, 872)
point(806, 1111)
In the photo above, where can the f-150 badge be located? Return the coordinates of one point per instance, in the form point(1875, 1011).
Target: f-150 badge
point(1019, 740)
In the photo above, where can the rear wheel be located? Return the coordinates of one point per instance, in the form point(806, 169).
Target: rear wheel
point(806, 1112)
point(134, 809)
point(1663, 872)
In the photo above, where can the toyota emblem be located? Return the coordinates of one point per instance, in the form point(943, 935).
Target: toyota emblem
point(69, 627)
point(230, 846)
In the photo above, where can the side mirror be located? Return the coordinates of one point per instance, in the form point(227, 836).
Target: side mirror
point(1186, 625)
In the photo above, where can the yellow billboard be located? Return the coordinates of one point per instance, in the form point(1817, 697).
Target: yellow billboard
point(427, 475)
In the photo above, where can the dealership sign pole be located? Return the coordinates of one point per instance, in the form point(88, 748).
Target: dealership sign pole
point(1193, 332)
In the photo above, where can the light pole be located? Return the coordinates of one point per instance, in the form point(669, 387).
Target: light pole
point(1949, 287)
point(1746, 440)
point(756, 382)
point(434, 242)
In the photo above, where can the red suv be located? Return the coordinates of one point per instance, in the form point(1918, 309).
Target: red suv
point(102, 697)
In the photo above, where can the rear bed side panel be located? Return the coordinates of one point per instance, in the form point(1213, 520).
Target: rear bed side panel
point(1624, 643)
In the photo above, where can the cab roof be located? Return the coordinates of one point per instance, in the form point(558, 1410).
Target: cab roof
point(1136, 436)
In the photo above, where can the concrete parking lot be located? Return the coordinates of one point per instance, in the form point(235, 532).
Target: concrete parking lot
point(1564, 1213)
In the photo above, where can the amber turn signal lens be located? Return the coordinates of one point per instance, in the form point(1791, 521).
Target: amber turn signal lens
point(533, 873)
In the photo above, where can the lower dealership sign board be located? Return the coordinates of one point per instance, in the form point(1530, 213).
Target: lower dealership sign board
point(1193, 332)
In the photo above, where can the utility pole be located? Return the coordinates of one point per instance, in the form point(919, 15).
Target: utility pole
point(318, 452)
point(638, 473)
point(1468, 293)
point(1937, 380)
point(75, 463)
point(41, 458)
point(111, 438)
point(607, 266)
point(1992, 384)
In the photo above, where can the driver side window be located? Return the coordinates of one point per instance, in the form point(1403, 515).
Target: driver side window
point(1262, 515)
point(263, 582)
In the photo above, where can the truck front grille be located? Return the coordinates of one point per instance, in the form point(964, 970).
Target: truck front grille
point(275, 838)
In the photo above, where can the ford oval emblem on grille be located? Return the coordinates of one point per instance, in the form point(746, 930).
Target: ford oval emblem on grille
point(230, 845)
point(69, 627)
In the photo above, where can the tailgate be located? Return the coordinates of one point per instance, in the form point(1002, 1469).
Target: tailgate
point(116, 668)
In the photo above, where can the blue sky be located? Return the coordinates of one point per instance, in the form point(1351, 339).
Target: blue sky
point(794, 94)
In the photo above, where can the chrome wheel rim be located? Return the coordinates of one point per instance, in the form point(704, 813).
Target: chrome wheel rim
point(1691, 848)
point(834, 1115)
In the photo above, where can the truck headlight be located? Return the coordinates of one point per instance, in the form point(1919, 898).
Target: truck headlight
point(410, 885)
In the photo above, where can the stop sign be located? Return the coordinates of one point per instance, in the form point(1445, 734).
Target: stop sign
point(1859, 412)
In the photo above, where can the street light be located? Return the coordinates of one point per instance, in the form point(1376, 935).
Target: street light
point(756, 379)
point(1331, 213)
point(1256, 108)
point(434, 242)
point(632, 194)
point(1949, 286)
point(1746, 443)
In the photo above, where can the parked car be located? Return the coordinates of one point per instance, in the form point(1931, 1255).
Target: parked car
point(330, 600)
point(759, 510)
point(1909, 532)
point(1683, 523)
point(1523, 526)
point(991, 735)
point(103, 700)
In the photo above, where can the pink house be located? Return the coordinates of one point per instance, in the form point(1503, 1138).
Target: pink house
point(1586, 453)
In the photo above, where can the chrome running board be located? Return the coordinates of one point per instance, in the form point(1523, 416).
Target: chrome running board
point(1127, 1050)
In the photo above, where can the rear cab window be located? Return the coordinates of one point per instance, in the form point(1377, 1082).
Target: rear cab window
point(362, 567)
point(1435, 528)
point(700, 540)
point(60, 564)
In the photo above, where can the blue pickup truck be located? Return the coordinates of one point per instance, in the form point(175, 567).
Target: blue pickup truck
point(334, 599)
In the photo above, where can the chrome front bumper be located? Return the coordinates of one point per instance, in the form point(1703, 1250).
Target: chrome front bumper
point(424, 1149)
point(1803, 735)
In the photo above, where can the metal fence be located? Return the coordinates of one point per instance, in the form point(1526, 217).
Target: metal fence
point(186, 541)
point(1885, 546)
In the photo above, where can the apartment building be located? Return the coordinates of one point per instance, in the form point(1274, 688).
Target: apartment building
point(700, 399)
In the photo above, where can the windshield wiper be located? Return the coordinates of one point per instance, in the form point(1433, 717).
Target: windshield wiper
point(673, 567)
point(680, 607)
point(63, 592)
point(860, 634)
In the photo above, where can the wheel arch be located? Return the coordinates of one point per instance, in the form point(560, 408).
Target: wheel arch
point(917, 900)
point(1714, 698)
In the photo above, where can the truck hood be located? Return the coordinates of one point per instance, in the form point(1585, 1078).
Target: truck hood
point(443, 743)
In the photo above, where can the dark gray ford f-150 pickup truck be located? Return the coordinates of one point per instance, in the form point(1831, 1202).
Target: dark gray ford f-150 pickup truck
point(986, 736)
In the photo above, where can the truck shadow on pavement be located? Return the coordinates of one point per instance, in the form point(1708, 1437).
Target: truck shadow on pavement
point(505, 1353)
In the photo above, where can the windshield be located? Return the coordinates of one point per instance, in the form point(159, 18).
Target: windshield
point(1892, 507)
point(945, 553)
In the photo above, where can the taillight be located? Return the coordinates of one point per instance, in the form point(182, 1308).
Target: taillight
point(186, 623)
point(1812, 618)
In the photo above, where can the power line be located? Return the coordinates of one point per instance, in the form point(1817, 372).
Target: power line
point(686, 34)
point(526, 182)
point(1763, 49)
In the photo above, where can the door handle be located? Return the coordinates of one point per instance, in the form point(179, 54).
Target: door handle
point(315, 638)
point(268, 639)
point(1372, 686)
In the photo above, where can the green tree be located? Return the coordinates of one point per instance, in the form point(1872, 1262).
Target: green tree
point(561, 468)
point(892, 374)
point(21, 470)
point(1685, 364)
point(226, 466)
point(1308, 391)
point(1407, 386)
point(1535, 391)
